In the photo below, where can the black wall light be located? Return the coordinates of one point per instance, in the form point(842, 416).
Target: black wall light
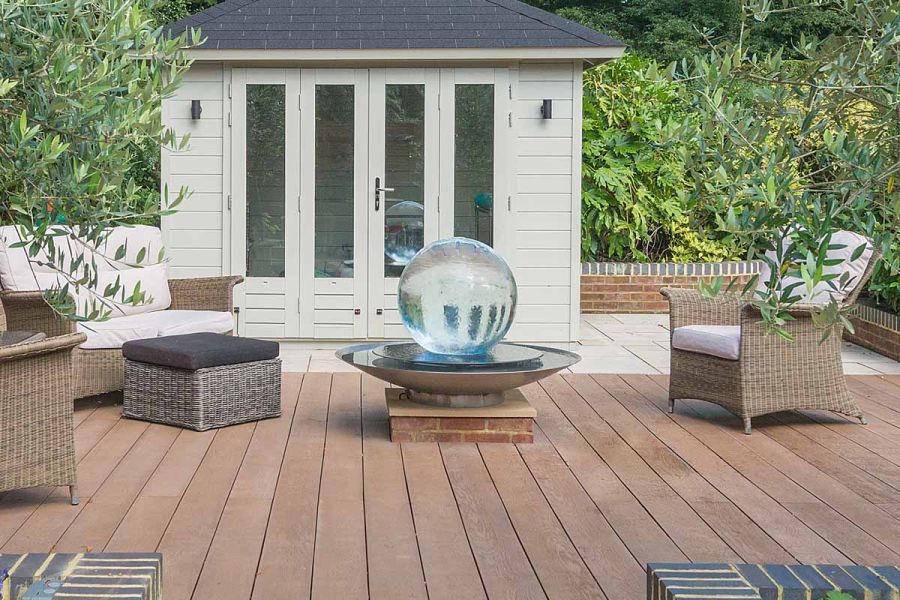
point(196, 109)
point(547, 109)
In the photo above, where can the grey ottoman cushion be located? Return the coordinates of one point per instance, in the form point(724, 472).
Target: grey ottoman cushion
point(199, 350)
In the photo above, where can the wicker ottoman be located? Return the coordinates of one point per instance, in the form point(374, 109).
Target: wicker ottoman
point(202, 380)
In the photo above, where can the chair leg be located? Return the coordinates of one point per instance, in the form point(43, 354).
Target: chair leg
point(671, 405)
point(73, 495)
point(747, 428)
point(863, 420)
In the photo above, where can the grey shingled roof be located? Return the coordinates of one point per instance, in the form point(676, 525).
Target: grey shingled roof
point(383, 24)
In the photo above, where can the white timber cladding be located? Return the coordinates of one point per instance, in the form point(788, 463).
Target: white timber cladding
point(547, 202)
point(194, 234)
point(537, 190)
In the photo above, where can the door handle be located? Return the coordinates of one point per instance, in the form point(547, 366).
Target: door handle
point(378, 190)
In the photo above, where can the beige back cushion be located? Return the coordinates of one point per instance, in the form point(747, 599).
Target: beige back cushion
point(823, 292)
point(17, 273)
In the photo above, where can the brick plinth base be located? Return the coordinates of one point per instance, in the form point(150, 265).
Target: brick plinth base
point(461, 429)
point(510, 422)
point(634, 287)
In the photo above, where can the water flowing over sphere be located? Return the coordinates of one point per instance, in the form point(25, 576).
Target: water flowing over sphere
point(457, 296)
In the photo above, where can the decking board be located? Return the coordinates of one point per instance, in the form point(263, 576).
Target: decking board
point(319, 502)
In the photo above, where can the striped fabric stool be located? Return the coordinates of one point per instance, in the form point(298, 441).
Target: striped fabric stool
point(91, 576)
point(673, 581)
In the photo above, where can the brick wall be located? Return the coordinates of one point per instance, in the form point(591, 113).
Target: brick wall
point(876, 330)
point(634, 287)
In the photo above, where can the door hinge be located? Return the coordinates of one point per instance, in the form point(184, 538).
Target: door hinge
point(229, 90)
point(510, 91)
point(299, 102)
point(229, 201)
point(510, 119)
point(509, 203)
point(229, 119)
point(438, 203)
point(439, 102)
point(299, 203)
point(299, 305)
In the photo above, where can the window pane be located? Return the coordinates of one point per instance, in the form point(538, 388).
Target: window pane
point(265, 180)
point(404, 170)
point(334, 181)
point(473, 180)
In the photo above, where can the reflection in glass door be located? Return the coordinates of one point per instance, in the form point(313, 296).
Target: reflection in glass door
point(334, 151)
point(403, 171)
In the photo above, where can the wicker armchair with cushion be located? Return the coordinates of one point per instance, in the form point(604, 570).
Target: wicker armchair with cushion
point(723, 353)
point(37, 444)
point(178, 306)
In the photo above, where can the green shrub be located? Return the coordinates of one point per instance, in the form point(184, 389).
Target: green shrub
point(634, 181)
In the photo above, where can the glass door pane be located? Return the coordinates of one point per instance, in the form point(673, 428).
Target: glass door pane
point(404, 175)
point(334, 160)
point(265, 148)
point(473, 173)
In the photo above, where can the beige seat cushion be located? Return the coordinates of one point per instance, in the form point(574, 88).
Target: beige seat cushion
point(723, 341)
point(115, 332)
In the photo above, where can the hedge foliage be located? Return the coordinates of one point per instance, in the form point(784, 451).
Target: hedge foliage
point(634, 205)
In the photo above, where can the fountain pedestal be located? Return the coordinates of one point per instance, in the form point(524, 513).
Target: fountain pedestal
point(510, 420)
point(458, 399)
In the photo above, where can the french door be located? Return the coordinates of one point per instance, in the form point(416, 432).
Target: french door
point(339, 176)
point(403, 170)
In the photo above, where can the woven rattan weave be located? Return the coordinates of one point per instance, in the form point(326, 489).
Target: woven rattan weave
point(101, 371)
point(205, 398)
point(772, 373)
point(36, 403)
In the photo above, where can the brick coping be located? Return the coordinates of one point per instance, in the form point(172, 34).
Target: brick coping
point(872, 314)
point(712, 269)
point(669, 581)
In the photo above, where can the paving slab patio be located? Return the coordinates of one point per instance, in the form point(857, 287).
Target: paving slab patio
point(610, 343)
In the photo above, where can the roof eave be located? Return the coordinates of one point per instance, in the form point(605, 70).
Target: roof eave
point(592, 54)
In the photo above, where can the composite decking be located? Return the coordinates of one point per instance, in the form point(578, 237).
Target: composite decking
point(319, 502)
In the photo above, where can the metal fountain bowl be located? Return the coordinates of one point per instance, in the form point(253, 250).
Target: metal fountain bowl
point(455, 384)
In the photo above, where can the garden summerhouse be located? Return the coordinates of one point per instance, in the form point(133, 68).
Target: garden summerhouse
point(330, 139)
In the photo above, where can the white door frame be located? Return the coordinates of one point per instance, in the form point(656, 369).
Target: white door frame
point(504, 150)
point(286, 286)
point(383, 290)
point(328, 306)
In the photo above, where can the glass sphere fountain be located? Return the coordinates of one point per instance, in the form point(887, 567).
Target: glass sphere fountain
point(457, 298)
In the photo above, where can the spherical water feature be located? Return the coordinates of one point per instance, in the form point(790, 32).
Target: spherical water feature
point(458, 297)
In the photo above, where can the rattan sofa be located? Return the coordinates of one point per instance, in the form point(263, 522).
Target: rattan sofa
point(97, 371)
point(770, 373)
point(37, 444)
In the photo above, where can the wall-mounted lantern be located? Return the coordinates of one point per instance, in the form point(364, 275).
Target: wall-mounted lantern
point(547, 109)
point(196, 109)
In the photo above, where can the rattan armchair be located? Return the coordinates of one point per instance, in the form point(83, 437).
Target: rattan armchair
point(37, 445)
point(771, 374)
point(100, 371)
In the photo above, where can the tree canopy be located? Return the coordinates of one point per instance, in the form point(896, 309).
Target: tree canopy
point(81, 86)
